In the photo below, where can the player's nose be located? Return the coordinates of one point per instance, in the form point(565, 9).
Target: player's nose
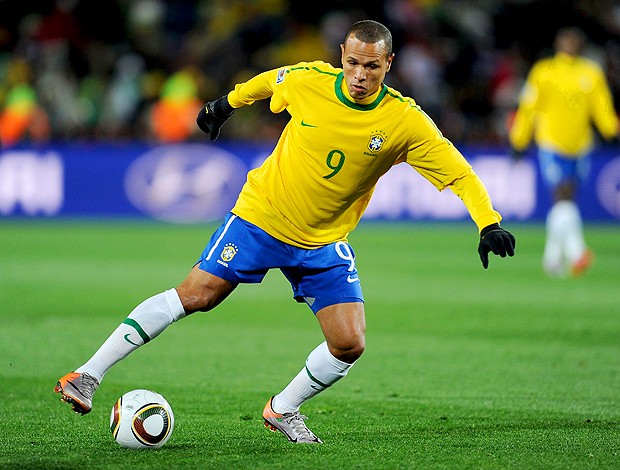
point(360, 74)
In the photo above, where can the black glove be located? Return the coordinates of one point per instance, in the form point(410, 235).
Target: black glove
point(496, 239)
point(213, 115)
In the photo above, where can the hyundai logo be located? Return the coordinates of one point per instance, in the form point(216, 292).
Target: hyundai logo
point(185, 183)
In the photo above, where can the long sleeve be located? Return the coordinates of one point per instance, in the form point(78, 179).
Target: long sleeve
point(258, 87)
point(522, 129)
point(474, 195)
point(603, 113)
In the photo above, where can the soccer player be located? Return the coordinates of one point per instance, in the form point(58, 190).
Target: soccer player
point(562, 97)
point(294, 213)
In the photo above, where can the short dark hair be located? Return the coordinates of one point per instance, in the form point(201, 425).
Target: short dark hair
point(370, 32)
point(570, 39)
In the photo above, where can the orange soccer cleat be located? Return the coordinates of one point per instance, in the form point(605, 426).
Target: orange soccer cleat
point(290, 424)
point(77, 389)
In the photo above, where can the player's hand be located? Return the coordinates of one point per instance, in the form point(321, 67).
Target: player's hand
point(495, 239)
point(213, 115)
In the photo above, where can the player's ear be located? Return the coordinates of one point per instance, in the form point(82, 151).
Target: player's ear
point(342, 53)
point(389, 62)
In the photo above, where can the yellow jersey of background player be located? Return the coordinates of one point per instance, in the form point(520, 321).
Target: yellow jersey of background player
point(562, 97)
point(313, 189)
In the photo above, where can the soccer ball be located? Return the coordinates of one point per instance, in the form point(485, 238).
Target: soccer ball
point(141, 419)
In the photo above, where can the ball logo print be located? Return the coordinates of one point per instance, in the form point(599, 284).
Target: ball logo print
point(139, 424)
point(141, 419)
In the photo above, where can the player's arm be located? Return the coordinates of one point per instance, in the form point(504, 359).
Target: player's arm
point(470, 189)
point(215, 113)
point(437, 160)
point(522, 127)
point(493, 238)
point(604, 115)
point(443, 165)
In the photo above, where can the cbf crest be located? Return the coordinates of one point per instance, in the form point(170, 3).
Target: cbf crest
point(229, 252)
point(281, 76)
point(376, 141)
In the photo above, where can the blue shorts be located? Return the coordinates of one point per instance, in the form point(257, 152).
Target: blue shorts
point(556, 169)
point(241, 252)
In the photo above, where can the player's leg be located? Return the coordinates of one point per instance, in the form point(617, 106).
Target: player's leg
point(553, 256)
point(200, 291)
point(334, 294)
point(344, 328)
point(565, 242)
point(579, 256)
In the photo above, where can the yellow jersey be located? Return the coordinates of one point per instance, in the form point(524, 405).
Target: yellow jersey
point(314, 187)
point(562, 97)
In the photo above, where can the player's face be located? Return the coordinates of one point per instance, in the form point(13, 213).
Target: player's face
point(365, 66)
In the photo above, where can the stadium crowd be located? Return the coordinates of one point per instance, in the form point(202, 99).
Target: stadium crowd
point(141, 69)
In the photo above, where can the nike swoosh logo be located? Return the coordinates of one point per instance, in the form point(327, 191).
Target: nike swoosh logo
point(76, 389)
point(129, 341)
point(351, 280)
point(303, 124)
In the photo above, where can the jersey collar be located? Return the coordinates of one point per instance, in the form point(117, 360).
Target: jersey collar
point(344, 98)
point(566, 58)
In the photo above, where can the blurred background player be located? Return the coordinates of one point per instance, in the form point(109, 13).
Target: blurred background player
point(562, 97)
point(173, 116)
point(22, 119)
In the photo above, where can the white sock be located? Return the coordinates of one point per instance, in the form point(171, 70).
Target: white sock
point(574, 242)
point(143, 324)
point(553, 255)
point(322, 370)
point(564, 234)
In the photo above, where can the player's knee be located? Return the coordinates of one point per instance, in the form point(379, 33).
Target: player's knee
point(202, 291)
point(197, 303)
point(201, 300)
point(350, 350)
point(565, 191)
point(356, 352)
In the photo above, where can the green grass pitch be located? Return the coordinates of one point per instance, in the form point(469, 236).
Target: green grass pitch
point(464, 368)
